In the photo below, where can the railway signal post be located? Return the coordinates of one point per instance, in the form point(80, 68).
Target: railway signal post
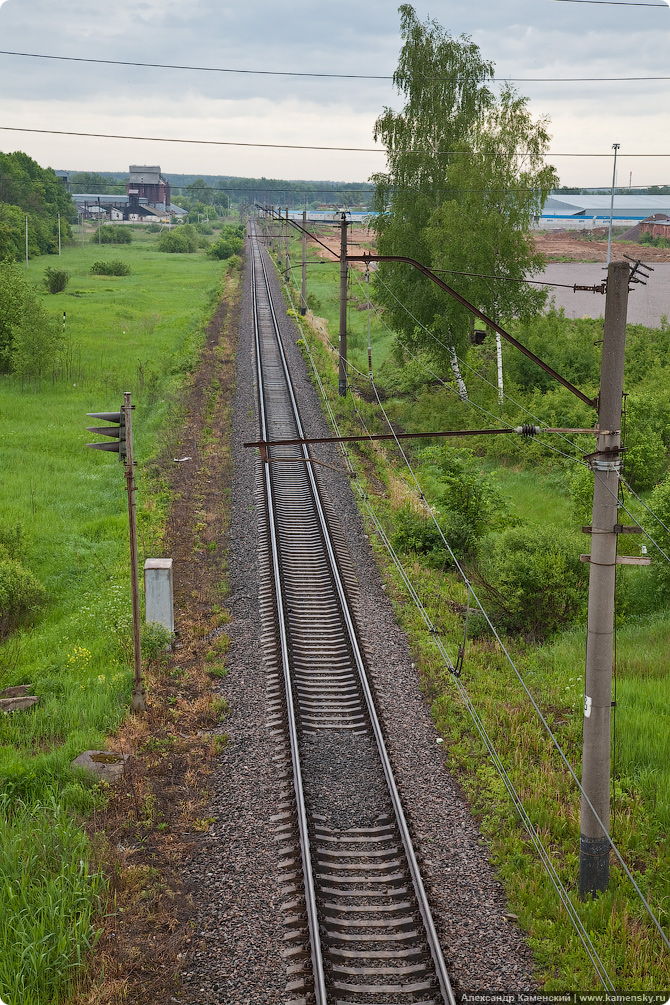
point(122, 432)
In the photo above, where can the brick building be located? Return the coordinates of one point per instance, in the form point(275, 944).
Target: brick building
point(147, 182)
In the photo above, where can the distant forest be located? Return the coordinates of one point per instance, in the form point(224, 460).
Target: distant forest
point(280, 192)
point(273, 191)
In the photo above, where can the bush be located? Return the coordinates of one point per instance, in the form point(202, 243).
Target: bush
point(532, 582)
point(55, 280)
point(112, 235)
point(20, 594)
point(114, 267)
point(418, 535)
point(226, 247)
point(30, 340)
point(229, 243)
point(12, 542)
point(659, 503)
point(467, 497)
point(183, 240)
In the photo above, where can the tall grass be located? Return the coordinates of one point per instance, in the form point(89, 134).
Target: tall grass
point(48, 899)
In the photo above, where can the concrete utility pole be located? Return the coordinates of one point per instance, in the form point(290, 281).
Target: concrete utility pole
point(26, 242)
point(615, 147)
point(594, 846)
point(303, 289)
point(343, 307)
point(287, 274)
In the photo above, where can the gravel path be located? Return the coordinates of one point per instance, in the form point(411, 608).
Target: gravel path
point(237, 951)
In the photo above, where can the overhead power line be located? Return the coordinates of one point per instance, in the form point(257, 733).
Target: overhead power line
point(337, 76)
point(282, 146)
point(615, 3)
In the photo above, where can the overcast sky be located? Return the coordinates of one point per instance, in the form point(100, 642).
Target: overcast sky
point(524, 38)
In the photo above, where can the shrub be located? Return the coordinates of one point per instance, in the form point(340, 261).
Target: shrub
point(12, 542)
point(20, 594)
point(183, 240)
point(659, 503)
point(467, 496)
point(55, 280)
point(229, 243)
point(29, 339)
point(226, 247)
point(112, 235)
point(532, 582)
point(418, 535)
point(580, 489)
point(114, 267)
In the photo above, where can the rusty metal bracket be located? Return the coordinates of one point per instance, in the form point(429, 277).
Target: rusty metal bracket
point(593, 402)
point(305, 460)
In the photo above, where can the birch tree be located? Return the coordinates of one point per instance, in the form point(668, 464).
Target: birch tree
point(465, 176)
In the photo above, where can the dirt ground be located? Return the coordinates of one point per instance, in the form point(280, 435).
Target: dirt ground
point(591, 246)
point(557, 245)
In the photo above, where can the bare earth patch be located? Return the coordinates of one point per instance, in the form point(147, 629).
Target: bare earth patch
point(582, 246)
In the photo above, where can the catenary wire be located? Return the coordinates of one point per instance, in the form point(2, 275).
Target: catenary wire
point(290, 146)
point(648, 509)
point(489, 744)
point(557, 746)
point(449, 349)
point(519, 676)
point(615, 3)
point(303, 73)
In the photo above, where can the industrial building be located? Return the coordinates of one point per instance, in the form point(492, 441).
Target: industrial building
point(580, 212)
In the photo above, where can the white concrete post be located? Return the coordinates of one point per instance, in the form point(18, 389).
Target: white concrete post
point(158, 592)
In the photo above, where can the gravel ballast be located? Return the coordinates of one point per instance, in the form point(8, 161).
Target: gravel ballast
point(237, 939)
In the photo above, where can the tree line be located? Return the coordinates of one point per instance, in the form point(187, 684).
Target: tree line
point(28, 190)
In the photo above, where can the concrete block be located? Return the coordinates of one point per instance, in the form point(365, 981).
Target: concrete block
point(158, 592)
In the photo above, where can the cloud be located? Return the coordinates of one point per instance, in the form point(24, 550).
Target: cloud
point(523, 38)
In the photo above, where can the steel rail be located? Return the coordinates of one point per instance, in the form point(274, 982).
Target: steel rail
point(400, 820)
point(308, 876)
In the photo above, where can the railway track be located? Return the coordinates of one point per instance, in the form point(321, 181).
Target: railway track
point(358, 924)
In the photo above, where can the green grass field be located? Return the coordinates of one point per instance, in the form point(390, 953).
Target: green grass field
point(139, 333)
